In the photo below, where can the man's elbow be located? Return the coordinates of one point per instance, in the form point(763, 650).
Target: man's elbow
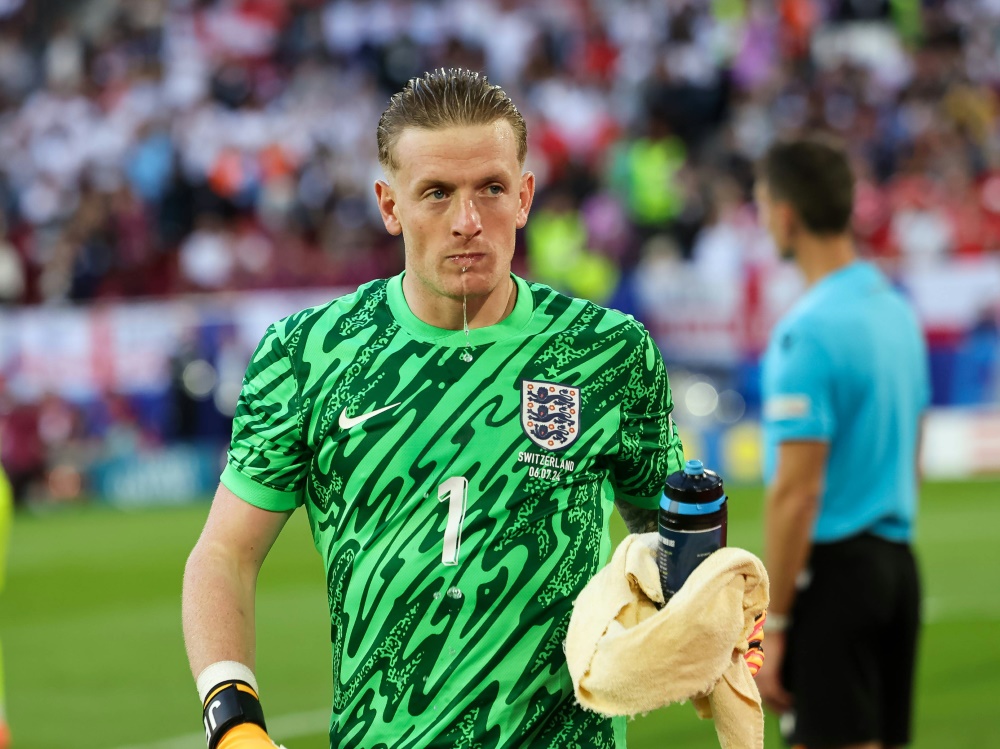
point(211, 558)
point(198, 562)
point(797, 500)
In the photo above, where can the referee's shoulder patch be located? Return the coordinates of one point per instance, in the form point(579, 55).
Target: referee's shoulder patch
point(791, 406)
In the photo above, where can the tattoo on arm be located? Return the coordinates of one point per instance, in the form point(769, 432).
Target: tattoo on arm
point(637, 520)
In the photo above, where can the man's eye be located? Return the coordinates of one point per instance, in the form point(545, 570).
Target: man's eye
point(438, 195)
point(496, 189)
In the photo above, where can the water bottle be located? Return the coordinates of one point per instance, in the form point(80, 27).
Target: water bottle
point(693, 515)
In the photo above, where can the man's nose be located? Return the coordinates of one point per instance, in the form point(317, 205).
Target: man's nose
point(467, 222)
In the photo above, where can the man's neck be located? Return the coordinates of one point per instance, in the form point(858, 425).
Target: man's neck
point(447, 313)
point(819, 256)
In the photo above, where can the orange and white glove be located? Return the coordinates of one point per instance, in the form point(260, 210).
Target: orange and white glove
point(755, 646)
point(246, 736)
point(234, 718)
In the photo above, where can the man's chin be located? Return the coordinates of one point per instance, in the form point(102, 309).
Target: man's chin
point(473, 290)
point(473, 283)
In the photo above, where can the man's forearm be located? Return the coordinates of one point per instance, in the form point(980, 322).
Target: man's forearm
point(637, 519)
point(217, 610)
point(790, 512)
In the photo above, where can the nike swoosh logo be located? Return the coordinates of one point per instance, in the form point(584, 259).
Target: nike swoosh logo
point(347, 422)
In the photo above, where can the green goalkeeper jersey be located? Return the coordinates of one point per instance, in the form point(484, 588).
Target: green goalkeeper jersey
point(458, 486)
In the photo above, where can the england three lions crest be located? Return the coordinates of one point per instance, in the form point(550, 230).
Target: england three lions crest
point(550, 413)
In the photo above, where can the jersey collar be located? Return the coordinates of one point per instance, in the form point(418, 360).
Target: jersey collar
point(417, 328)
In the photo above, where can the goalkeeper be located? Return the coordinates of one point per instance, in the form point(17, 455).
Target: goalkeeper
point(458, 437)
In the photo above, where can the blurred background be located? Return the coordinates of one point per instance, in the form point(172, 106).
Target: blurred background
point(176, 174)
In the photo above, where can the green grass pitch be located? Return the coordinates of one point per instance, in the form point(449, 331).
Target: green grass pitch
point(90, 626)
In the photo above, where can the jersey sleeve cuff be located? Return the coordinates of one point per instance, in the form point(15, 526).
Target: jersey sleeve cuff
point(646, 503)
point(255, 493)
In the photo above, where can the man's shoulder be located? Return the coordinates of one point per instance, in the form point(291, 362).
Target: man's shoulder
point(582, 314)
point(799, 339)
point(352, 310)
point(813, 317)
point(830, 313)
point(797, 320)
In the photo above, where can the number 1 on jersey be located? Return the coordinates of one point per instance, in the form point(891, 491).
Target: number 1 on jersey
point(456, 491)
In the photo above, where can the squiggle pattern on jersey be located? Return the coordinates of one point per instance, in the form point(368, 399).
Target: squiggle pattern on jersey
point(424, 654)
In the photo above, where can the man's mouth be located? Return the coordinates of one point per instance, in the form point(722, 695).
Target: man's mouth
point(467, 259)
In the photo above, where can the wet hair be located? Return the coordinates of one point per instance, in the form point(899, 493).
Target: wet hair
point(447, 97)
point(814, 176)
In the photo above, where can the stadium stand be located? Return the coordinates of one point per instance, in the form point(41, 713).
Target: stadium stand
point(156, 149)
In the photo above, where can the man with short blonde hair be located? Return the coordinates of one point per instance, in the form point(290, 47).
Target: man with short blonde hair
point(458, 437)
point(447, 99)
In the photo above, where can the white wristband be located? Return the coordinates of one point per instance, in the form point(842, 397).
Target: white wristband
point(224, 671)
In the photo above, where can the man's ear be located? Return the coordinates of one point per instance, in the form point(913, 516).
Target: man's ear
point(387, 207)
point(526, 194)
point(786, 221)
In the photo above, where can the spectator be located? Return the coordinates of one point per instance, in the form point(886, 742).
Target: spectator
point(118, 133)
point(11, 269)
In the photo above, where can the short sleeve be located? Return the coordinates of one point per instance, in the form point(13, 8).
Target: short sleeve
point(797, 389)
point(268, 460)
point(650, 445)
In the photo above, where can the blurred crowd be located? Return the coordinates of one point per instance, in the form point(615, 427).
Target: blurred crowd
point(47, 444)
point(160, 147)
point(156, 146)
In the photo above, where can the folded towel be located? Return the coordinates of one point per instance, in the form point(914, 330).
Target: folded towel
point(628, 656)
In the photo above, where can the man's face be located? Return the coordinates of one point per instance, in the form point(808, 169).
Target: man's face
point(457, 197)
point(776, 217)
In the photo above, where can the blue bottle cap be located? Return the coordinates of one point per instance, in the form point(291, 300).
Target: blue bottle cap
point(694, 467)
point(695, 484)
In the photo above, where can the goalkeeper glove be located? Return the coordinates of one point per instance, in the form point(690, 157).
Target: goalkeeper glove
point(755, 647)
point(246, 736)
point(234, 718)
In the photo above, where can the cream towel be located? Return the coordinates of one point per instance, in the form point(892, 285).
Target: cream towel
point(627, 656)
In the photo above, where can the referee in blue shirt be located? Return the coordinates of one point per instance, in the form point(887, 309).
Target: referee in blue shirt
point(845, 379)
